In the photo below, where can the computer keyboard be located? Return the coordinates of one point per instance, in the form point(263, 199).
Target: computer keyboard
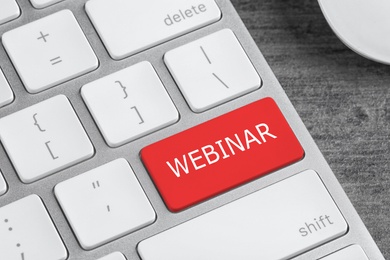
point(156, 130)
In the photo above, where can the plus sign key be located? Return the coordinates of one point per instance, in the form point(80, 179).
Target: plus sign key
point(43, 37)
point(49, 51)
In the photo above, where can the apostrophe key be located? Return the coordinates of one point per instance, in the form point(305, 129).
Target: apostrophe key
point(111, 196)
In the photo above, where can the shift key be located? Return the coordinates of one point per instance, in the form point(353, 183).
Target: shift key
point(221, 154)
point(278, 222)
point(128, 27)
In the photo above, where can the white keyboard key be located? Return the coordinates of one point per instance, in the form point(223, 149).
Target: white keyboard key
point(27, 232)
point(113, 256)
point(129, 104)
point(3, 185)
point(6, 94)
point(212, 70)
point(44, 138)
point(353, 252)
point(43, 3)
point(9, 10)
point(128, 27)
point(49, 51)
point(278, 222)
point(104, 204)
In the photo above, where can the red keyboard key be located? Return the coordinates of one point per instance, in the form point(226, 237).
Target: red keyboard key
point(221, 154)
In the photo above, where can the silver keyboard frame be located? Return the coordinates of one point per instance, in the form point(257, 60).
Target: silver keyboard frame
point(313, 159)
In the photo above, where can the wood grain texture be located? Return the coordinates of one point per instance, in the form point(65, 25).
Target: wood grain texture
point(343, 99)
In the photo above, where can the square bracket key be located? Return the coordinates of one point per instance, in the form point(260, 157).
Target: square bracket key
point(44, 138)
point(129, 104)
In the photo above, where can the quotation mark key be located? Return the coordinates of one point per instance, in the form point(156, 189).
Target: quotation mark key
point(55, 60)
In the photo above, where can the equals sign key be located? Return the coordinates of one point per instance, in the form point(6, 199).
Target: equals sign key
point(55, 60)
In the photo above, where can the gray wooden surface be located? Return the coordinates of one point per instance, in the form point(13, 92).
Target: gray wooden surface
point(343, 99)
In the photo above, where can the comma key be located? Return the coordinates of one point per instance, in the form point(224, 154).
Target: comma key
point(115, 201)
